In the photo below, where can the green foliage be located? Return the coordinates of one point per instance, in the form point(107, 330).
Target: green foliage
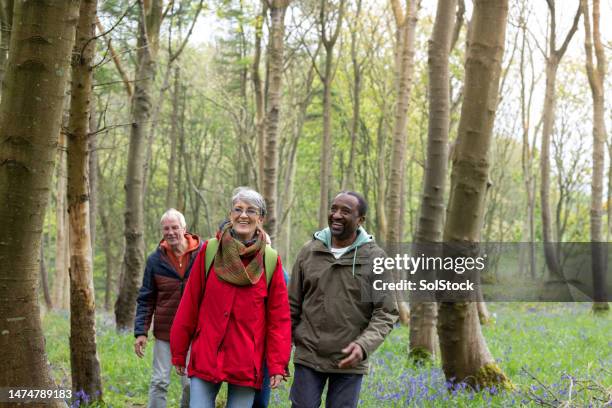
point(542, 348)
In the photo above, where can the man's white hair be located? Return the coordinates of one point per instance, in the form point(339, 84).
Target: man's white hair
point(248, 195)
point(173, 213)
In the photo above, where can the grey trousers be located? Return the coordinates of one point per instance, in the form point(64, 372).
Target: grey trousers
point(160, 380)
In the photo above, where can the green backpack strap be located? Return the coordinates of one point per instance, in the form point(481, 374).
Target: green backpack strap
point(211, 250)
point(270, 258)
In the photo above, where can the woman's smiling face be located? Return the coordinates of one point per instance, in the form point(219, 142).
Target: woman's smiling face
point(245, 218)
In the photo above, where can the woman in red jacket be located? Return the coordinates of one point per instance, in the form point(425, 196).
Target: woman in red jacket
point(231, 316)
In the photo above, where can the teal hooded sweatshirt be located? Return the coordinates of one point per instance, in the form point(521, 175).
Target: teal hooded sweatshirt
point(362, 238)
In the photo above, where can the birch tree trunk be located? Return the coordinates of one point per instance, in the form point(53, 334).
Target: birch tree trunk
point(465, 355)
point(596, 75)
point(30, 119)
point(423, 315)
point(275, 81)
point(84, 363)
point(133, 259)
point(406, 34)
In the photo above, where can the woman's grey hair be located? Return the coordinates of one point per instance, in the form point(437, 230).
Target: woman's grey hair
point(248, 195)
point(172, 213)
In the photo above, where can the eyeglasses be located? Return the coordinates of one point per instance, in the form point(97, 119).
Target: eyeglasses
point(250, 212)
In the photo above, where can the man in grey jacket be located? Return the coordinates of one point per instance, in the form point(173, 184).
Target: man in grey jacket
point(334, 327)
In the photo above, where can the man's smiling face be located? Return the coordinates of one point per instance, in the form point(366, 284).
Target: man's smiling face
point(344, 218)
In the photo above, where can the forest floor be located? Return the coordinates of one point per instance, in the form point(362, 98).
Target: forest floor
point(556, 354)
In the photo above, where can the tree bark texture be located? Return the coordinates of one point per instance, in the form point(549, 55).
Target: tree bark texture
point(423, 315)
point(465, 355)
point(30, 119)
point(84, 363)
point(596, 74)
point(133, 259)
point(406, 35)
point(273, 106)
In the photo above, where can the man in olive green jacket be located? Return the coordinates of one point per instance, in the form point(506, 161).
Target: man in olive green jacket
point(336, 325)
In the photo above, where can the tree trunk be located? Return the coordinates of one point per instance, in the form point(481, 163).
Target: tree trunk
point(381, 215)
point(423, 315)
point(329, 42)
point(273, 106)
point(406, 34)
point(355, 121)
point(551, 254)
point(170, 191)
point(6, 23)
point(465, 355)
point(133, 260)
point(61, 280)
point(84, 363)
point(527, 155)
point(30, 119)
point(259, 96)
point(44, 277)
point(92, 146)
point(596, 77)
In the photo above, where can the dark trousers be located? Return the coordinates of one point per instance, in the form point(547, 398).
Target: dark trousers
point(342, 389)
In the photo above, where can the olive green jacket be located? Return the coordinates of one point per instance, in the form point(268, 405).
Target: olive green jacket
point(331, 303)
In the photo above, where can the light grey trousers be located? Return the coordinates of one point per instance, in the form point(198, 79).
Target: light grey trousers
point(160, 380)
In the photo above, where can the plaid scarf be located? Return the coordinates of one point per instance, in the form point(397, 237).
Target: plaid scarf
point(228, 263)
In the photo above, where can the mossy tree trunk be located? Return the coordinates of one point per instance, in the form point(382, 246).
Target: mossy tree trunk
point(423, 314)
point(464, 352)
point(30, 119)
point(84, 363)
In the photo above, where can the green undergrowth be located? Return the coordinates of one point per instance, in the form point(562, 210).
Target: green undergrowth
point(554, 354)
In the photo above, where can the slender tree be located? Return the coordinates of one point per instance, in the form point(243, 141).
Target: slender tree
point(596, 74)
point(30, 118)
point(60, 291)
point(430, 224)
point(273, 106)
point(553, 58)
point(405, 22)
point(329, 36)
point(84, 363)
point(133, 259)
point(465, 355)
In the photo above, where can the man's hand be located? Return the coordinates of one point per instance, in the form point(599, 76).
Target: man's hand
point(139, 345)
point(276, 380)
point(180, 370)
point(355, 355)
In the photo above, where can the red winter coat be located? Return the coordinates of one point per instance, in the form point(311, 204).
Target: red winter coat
point(231, 328)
